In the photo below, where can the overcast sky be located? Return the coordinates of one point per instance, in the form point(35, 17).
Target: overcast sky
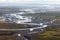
point(5, 2)
point(42, 1)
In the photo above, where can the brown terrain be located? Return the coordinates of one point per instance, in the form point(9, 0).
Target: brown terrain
point(48, 34)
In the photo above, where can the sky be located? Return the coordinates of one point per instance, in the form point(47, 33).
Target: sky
point(49, 2)
point(43, 1)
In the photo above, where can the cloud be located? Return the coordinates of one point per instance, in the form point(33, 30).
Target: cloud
point(15, 0)
point(36, 1)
